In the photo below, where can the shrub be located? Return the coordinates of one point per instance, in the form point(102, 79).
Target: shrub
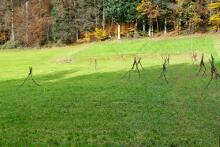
point(87, 37)
point(11, 45)
point(100, 34)
point(97, 35)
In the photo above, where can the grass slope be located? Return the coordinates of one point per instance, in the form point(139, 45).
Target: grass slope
point(80, 106)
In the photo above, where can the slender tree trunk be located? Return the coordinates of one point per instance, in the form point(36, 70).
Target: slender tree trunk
point(96, 21)
point(179, 24)
point(77, 35)
point(218, 28)
point(12, 27)
point(144, 26)
point(119, 31)
point(40, 5)
point(152, 30)
point(135, 29)
point(149, 31)
point(12, 22)
point(112, 23)
point(27, 23)
point(165, 26)
point(157, 25)
point(103, 16)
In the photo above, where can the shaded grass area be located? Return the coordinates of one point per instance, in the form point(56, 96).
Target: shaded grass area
point(103, 109)
point(80, 106)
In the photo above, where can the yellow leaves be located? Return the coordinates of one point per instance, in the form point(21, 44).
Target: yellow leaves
point(97, 35)
point(87, 37)
point(214, 5)
point(196, 19)
point(144, 7)
point(100, 34)
point(215, 19)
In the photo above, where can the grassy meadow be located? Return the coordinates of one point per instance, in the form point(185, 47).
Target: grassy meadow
point(78, 105)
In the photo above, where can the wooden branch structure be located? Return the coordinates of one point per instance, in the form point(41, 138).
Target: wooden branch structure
point(202, 66)
point(214, 72)
point(135, 67)
point(30, 75)
point(164, 67)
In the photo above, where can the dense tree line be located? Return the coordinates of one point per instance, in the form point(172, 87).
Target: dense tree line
point(39, 22)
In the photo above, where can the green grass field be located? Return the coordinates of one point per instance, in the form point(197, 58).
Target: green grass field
point(80, 106)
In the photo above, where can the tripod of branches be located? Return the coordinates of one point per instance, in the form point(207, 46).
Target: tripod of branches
point(164, 67)
point(214, 72)
point(30, 75)
point(202, 66)
point(135, 67)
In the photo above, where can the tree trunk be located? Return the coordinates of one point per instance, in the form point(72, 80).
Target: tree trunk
point(27, 17)
point(144, 27)
point(111, 28)
point(179, 24)
point(96, 21)
point(119, 31)
point(218, 28)
point(157, 25)
point(152, 30)
point(77, 35)
point(165, 26)
point(40, 5)
point(12, 27)
point(12, 22)
point(135, 29)
point(103, 16)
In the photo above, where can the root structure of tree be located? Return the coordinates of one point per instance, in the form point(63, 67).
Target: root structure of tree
point(194, 57)
point(214, 72)
point(202, 67)
point(136, 65)
point(164, 68)
point(30, 75)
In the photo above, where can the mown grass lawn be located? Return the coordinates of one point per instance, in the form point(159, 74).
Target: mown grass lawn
point(80, 106)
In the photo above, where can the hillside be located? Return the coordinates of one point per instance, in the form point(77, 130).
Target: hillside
point(82, 103)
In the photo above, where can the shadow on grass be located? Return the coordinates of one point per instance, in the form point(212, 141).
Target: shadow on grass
point(105, 109)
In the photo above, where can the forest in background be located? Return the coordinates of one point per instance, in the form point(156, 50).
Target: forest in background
point(29, 23)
